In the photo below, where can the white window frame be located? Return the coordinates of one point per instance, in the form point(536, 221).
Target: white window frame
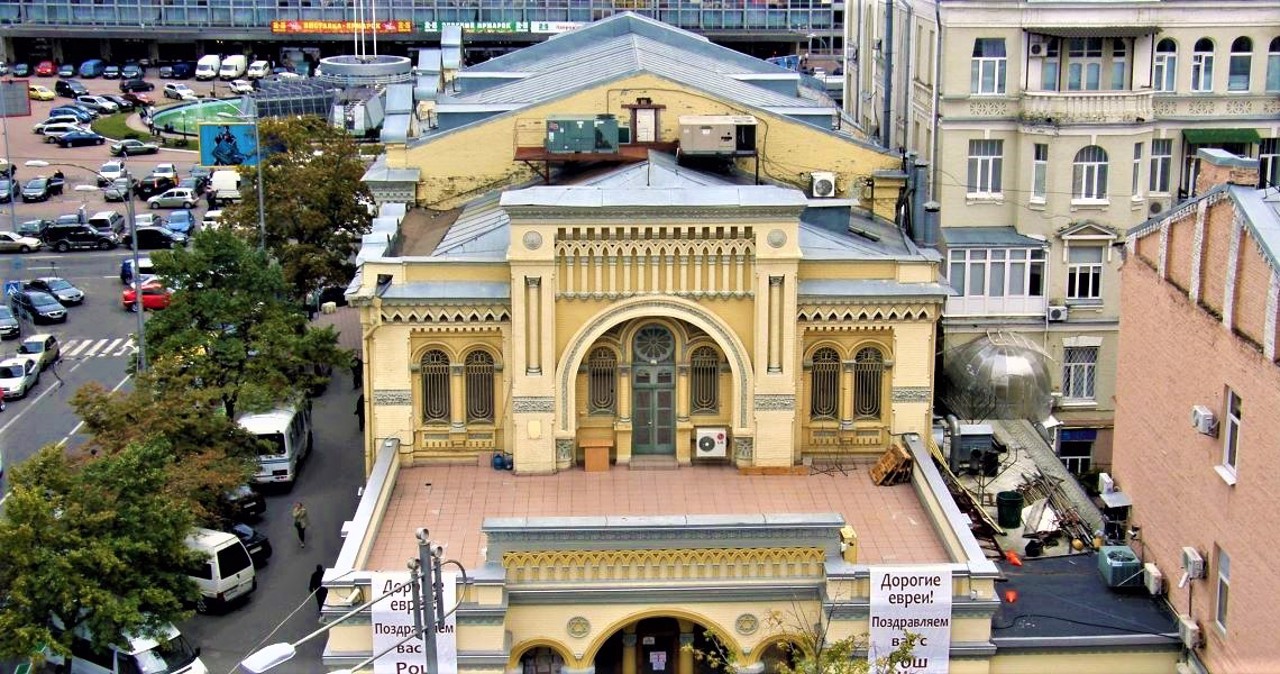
point(1017, 265)
point(1240, 61)
point(1051, 65)
point(1269, 162)
point(1085, 276)
point(1165, 75)
point(1089, 175)
point(985, 68)
point(1161, 166)
point(1202, 68)
point(1222, 597)
point(1231, 423)
point(1273, 65)
point(1084, 63)
point(986, 169)
point(1136, 183)
point(1119, 64)
point(1039, 172)
point(1080, 373)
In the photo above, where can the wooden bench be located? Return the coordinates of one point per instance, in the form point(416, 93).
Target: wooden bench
point(596, 445)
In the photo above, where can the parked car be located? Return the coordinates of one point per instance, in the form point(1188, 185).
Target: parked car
point(34, 227)
point(44, 347)
point(107, 221)
point(81, 114)
point(177, 197)
point(79, 138)
point(13, 242)
point(134, 85)
point(64, 237)
point(9, 190)
point(109, 172)
point(10, 328)
point(241, 87)
point(41, 188)
point(242, 504)
point(18, 375)
point(154, 297)
point(118, 190)
point(99, 103)
point(76, 218)
point(166, 170)
point(46, 69)
point(144, 265)
point(133, 146)
point(111, 72)
point(179, 92)
point(38, 307)
point(212, 219)
point(139, 99)
point(159, 238)
point(67, 70)
point(53, 130)
point(39, 127)
point(93, 68)
point(120, 101)
point(21, 70)
point(149, 220)
point(201, 173)
point(39, 92)
point(70, 88)
point(181, 222)
point(133, 71)
point(64, 290)
point(165, 72)
point(256, 542)
point(194, 184)
point(152, 185)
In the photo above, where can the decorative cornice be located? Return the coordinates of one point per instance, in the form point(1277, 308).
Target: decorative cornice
point(434, 312)
point(692, 294)
point(912, 394)
point(521, 404)
point(665, 565)
point(392, 397)
point(642, 213)
point(844, 313)
point(775, 402)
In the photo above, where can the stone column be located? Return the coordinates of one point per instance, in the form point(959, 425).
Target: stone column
point(629, 650)
point(624, 393)
point(533, 323)
point(846, 395)
point(775, 324)
point(684, 659)
point(457, 406)
point(682, 392)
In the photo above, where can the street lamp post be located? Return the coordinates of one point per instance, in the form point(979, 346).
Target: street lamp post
point(257, 150)
point(133, 231)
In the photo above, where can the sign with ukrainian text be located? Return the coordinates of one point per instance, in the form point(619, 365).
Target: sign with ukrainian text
point(478, 26)
point(915, 600)
point(392, 620)
point(318, 27)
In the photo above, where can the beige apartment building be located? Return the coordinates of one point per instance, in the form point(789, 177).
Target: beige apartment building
point(1051, 129)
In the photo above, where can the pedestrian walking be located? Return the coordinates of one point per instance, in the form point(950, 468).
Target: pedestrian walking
point(316, 586)
point(357, 370)
point(53, 368)
point(360, 411)
point(300, 522)
point(212, 199)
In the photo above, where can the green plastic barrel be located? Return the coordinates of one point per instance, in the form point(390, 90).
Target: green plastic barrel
point(1009, 509)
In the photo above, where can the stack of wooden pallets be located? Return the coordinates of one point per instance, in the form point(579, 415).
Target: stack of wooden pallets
point(894, 467)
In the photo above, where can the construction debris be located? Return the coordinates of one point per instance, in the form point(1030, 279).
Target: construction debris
point(894, 467)
point(1037, 486)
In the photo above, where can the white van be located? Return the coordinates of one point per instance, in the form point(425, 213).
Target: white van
point(171, 653)
point(258, 70)
point(207, 67)
point(232, 67)
point(227, 573)
point(284, 436)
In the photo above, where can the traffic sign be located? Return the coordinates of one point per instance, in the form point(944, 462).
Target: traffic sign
point(11, 287)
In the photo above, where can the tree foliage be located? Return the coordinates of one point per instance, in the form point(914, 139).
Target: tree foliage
point(98, 544)
point(315, 203)
point(232, 330)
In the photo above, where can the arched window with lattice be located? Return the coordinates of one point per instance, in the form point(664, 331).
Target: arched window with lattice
point(478, 371)
point(602, 382)
point(824, 385)
point(435, 386)
point(704, 381)
point(868, 379)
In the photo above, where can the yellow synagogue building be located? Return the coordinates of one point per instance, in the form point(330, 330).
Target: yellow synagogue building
point(660, 282)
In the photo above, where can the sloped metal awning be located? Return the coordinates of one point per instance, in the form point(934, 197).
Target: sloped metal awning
point(988, 237)
point(1094, 31)
point(1210, 136)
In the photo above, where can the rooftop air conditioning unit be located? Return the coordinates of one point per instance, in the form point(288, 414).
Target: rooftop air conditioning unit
point(1153, 579)
point(824, 184)
point(1057, 313)
point(1119, 566)
point(1192, 566)
point(1204, 420)
point(712, 443)
point(1189, 631)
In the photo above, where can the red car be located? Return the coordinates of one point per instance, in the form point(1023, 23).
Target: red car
point(138, 98)
point(154, 296)
point(46, 69)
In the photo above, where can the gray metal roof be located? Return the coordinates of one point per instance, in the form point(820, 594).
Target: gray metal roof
point(482, 229)
point(395, 128)
point(563, 72)
point(870, 288)
point(380, 172)
point(660, 171)
point(960, 237)
point(587, 196)
point(448, 290)
point(1261, 210)
point(817, 243)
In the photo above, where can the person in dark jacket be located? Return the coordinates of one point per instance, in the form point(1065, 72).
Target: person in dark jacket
point(316, 586)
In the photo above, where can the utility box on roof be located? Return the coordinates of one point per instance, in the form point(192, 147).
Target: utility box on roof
point(717, 135)
point(572, 134)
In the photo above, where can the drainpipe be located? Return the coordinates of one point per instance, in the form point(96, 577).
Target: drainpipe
point(937, 86)
point(907, 75)
point(920, 231)
point(886, 48)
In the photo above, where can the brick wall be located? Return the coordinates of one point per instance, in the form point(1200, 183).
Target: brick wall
point(1174, 355)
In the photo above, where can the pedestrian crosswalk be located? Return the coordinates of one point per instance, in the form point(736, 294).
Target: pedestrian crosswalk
point(110, 347)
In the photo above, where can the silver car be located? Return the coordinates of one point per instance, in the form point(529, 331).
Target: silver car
point(177, 197)
point(18, 376)
point(9, 325)
point(13, 242)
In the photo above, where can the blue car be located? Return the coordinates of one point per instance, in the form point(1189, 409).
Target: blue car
point(73, 110)
point(180, 222)
point(78, 138)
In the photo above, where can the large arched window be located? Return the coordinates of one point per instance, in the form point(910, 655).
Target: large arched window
point(435, 387)
point(1240, 65)
point(824, 385)
point(602, 382)
point(1166, 66)
point(1089, 174)
point(868, 378)
point(704, 381)
point(1202, 66)
point(1273, 65)
point(479, 380)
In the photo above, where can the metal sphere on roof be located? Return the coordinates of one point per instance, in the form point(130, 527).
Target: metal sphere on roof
point(999, 376)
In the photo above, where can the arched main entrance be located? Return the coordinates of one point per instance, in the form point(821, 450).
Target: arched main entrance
point(656, 646)
point(653, 382)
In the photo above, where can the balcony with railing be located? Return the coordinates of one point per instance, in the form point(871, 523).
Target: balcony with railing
point(1087, 107)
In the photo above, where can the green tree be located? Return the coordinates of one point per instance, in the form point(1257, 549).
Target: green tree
point(98, 543)
point(316, 206)
point(232, 330)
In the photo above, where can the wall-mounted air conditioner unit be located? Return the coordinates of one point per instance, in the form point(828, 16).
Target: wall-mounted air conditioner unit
point(1153, 579)
point(1157, 207)
point(1204, 420)
point(1106, 484)
point(712, 443)
point(823, 184)
point(1038, 45)
point(1057, 313)
point(1192, 566)
point(1189, 632)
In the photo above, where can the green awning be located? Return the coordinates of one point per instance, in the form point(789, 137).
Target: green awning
point(1212, 136)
